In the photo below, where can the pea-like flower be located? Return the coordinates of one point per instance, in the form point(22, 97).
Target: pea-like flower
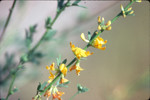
point(102, 25)
point(51, 67)
point(78, 52)
point(97, 43)
point(77, 68)
point(129, 11)
point(55, 93)
point(51, 77)
point(63, 69)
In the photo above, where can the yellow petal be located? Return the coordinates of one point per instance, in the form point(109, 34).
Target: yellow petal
point(121, 7)
point(52, 66)
point(108, 28)
point(63, 69)
point(83, 37)
point(129, 9)
point(99, 27)
point(47, 68)
point(99, 19)
point(78, 69)
point(108, 23)
point(63, 80)
point(131, 12)
point(72, 68)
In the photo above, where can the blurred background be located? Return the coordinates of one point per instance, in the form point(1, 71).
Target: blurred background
point(121, 72)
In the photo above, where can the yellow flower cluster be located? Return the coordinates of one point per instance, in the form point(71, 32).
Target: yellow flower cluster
point(97, 43)
point(129, 11)
point(55, 93)
point(62, 69)
point(79, 54)
point(102, 26)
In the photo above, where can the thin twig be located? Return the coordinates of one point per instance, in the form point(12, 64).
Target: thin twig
point(33, 49)
point(7, 21)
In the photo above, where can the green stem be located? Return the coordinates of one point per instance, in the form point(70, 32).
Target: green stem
point(74, 59)
point(12, 81)
point(74, 96)
point(39, 42)
point(8, 19)
point(31, 51)
point(11, 85)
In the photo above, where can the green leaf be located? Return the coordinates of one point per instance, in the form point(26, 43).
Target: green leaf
point(49, 34)
point(89, 35)
point(33, 29)
point(15, 90)
point(41, 86)
point(64, 62)
point(48, 22)
point(60, 4)
point(58, 60)
point(81, 89)
point(76, 2)
point(29, 35)
point(24, 58)
point(64, 84)
point(38, 54)
point(94, 34)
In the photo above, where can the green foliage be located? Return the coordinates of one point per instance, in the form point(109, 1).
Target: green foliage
point(24, 58)
point(64, 84)
point(7, 68)
point(75, 3)
point(64, 61)
point(14, 90)
point(58, 60)
point(94, 34)
point(60, 4)
point(48, 22)
point(89, 35)
point(41, 87)
point(49, 34)
point(35, 56)
point(81, 89)
point(29, 35)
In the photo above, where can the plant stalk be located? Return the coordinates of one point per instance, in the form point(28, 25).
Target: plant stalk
point(7, 21)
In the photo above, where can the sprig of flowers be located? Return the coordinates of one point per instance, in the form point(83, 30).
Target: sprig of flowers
point(95, 41)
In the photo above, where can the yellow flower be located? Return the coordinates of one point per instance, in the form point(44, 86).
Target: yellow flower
point(79, 52)
point(97, 43)
point(57, 95)
point(123, 11)
point(51, 67)
point(51, 77)
point(48, 92)
point(77, 68)
point(102, 26)
point(83, 38)
point(63, 69)
point(63, 80)
point(129, 11)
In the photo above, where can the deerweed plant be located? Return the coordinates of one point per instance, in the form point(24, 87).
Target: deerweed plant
point(58, 74)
